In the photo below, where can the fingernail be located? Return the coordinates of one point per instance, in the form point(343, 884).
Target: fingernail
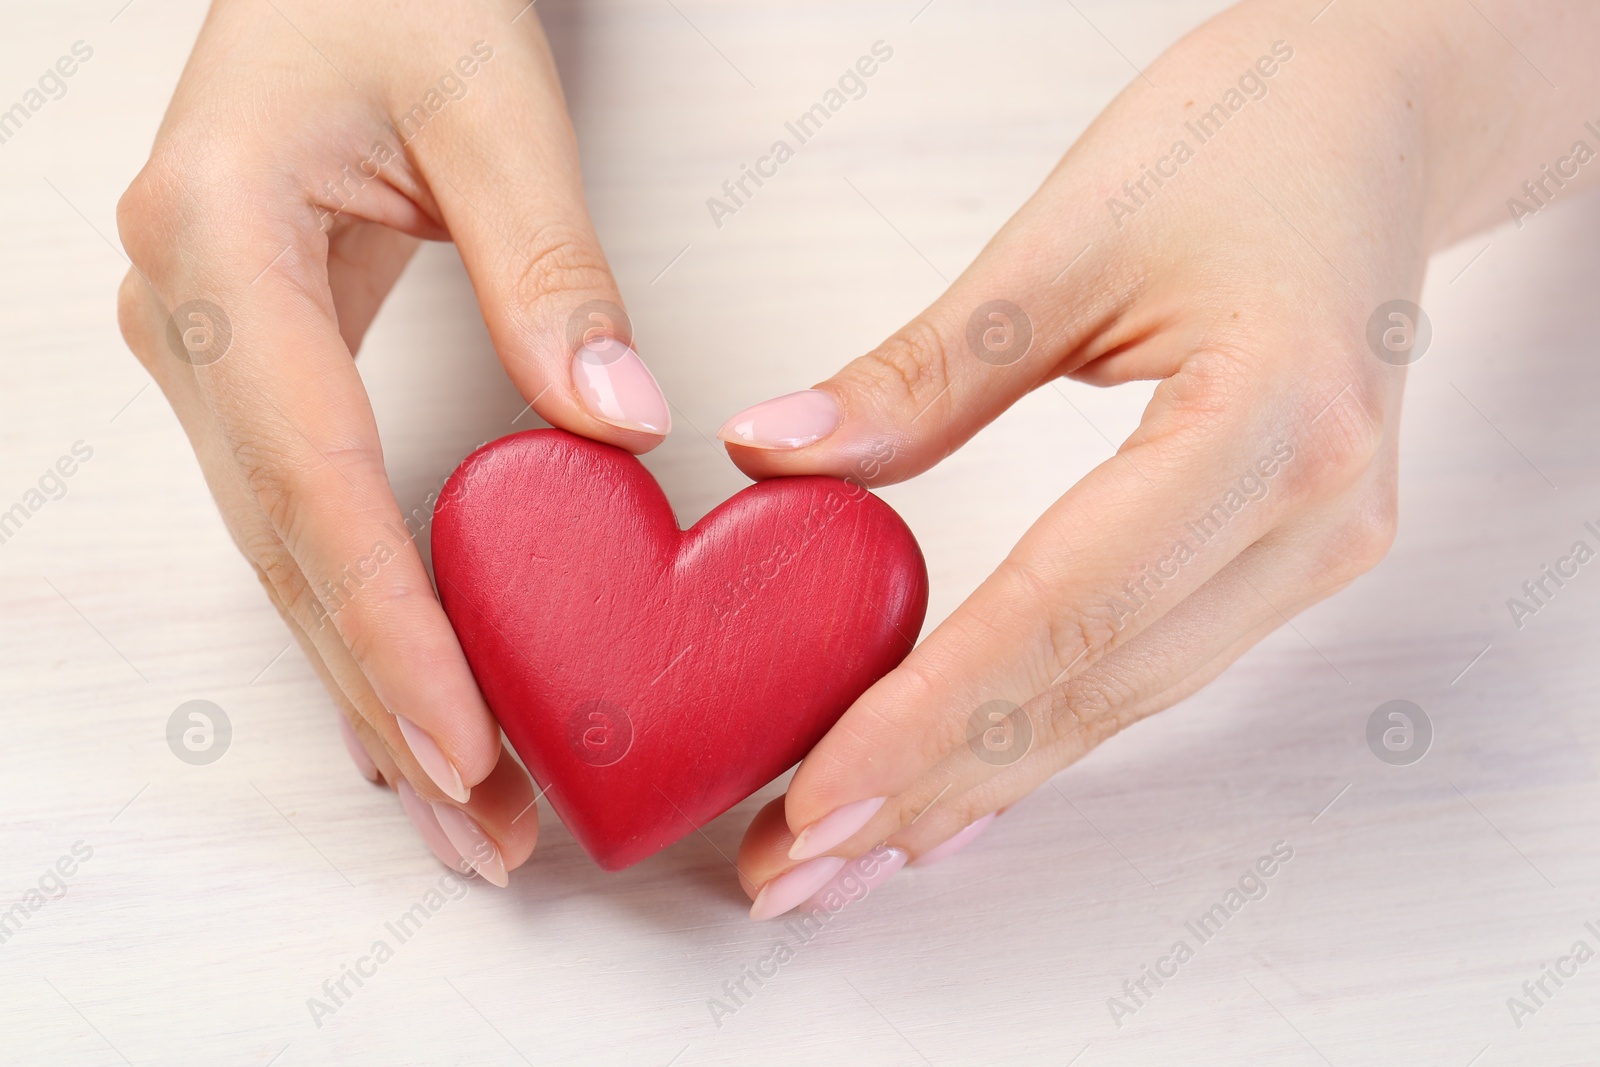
point(955, 844)
point(793, 887)
point(792, 421)
point(870, 871)
point(422, 818)
point(618, 388)
point(474, 845)
point(834, 829)
point(358, 751)
point(433, 760)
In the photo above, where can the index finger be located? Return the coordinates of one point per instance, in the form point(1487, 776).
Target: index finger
point(1136, 537)
point(282, 392)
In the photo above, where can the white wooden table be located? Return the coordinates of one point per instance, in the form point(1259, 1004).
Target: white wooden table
point(216, 899)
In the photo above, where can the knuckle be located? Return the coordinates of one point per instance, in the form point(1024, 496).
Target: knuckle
point(1365, 536)
point(272, 479)
point(357, 632)
point(192, 186)
point(283, 580)
point(1065, 632)
point(1208, 390)
point(561, 261)
point(919, 686)
point(149, 211)
point(1344, 433)
point(283, 478)
point(1088, 709)
point(913, 366)
point(1075, 633)
point(1068, 712)
point(1209, 393)
point(374, 610)
point(358, 595)
point(136, 319)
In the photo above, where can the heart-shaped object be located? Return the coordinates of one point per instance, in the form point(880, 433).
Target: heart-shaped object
point(651, 677)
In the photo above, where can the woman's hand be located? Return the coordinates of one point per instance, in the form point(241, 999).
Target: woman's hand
point(308, 147)
point(1236, 226)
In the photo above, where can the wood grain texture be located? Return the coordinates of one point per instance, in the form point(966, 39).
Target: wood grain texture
point(219, 898)
point(651, 677)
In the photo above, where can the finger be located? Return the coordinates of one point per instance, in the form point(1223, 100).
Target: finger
point(357, 751)
point(956, 801)
point(1262, 590)
point(492, 834)
point(373, 758)
point(346, 685)
point(1100, 565)
point(825, 884)
point(956, 843)
point(764, 854)
point(364, 261)
point(370, 755)
point(1001, 329)
point(284, 401)
point(139, 316)
point(764, 851)
point(1136, 537)
point(1301, 562)
point(504, 170)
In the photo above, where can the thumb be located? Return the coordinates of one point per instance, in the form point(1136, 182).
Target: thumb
point(504, 171)
point(1001, 330)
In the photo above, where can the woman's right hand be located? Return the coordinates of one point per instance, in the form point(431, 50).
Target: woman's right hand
point(307, 149)
point(1263, 273)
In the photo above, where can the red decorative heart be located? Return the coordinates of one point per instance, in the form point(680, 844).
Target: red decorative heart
point(652, 677)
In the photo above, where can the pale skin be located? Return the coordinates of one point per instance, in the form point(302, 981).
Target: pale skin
point(280, 104)
point(1243, 284)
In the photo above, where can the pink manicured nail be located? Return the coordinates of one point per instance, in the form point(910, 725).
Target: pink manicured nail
point(358, 751)
point(618, 388)
point(834, 829)
point(433, 760)
point(422, 818)
point(949, 848)
point(857, 878)
point(474, 845)
point(791, 888)
point(792, 421)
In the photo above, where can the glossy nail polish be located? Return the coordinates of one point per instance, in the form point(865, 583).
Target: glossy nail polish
point(791, 421)
point(857, 878)
point(433, 760)
point(616, 387)
point(834, 828)
point(946, 849)
point(475, 847)
point(793, 887)
point(358, 751)
point(422, 817)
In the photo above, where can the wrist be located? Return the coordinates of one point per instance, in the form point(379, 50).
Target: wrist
point(1501, 91)
point(1466, 116)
